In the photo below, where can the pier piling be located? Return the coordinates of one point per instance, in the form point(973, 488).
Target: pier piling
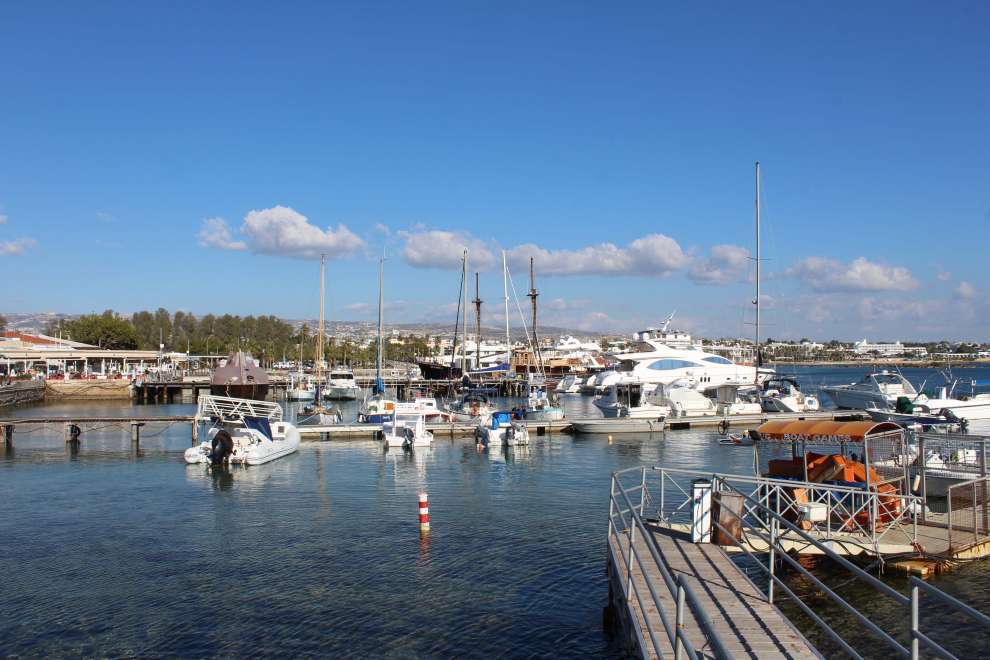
point(8, 436)
point(136, 433)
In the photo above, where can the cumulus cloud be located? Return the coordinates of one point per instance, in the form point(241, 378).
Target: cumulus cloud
point(216, 233)
point(965, 291)
point(283, 231)
point(824, 274)
point(727, 264)
point(653, 255)
point(435, 248)
point(16, 247)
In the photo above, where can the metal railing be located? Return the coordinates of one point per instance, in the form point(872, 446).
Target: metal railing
point(766, 535)
point(852, 515)
point(968, 513)
point(624, 531)
point(229, 409)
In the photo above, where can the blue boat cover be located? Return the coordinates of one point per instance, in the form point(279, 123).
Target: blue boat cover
point(501, 417)
point(259, 424)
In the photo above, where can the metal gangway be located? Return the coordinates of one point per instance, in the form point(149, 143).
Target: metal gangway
point(676, 596)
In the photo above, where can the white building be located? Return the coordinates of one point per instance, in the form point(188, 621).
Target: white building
point(887, 349)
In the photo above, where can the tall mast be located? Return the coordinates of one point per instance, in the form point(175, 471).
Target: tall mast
point(319, 349)
point(464, 369)
point(477, 313)
point(505, 290)
point(756, 301)
point(533, 293)
point(381, 307)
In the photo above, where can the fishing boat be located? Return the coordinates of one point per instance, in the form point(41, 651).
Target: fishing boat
point(240, 377)
point(378, 408)
point(782, 394)
point(406, 428)
point(242, 431)
point(502, 430)
point(341, 385)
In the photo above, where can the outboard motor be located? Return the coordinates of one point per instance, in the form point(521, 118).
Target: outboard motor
point(410, 437)
point(222, 448)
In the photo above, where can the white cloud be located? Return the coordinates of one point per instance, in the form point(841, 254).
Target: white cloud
point(216, 233)
point(103, 216)
point(824, 274)
point(653, 255)
point(966, 291)
point(366, 308)
point(727, 264)
point(16, 247)
point(436, 248)
point(561, 304)
point(944, 276)
point(283, 231)
point(3, 218)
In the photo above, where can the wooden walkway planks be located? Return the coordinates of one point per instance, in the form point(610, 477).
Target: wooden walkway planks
point(748, 625)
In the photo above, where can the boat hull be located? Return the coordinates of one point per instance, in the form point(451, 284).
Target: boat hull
point(619, 425)
point(258, 392)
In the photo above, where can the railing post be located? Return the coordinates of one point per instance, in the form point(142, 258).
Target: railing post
point(773, 556)
point(611, 509)
point(632, 542)
point(976, 530)
point(915, 625)
point(948, 499)
point(679, 621)
point(922, 459)
point(663, 511)
point(642, 494)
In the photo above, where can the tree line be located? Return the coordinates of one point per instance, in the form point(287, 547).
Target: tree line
point(266, 337)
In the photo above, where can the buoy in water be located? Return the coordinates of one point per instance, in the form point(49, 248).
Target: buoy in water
point(424, 513)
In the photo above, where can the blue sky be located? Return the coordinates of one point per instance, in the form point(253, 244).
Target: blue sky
point(197, 158)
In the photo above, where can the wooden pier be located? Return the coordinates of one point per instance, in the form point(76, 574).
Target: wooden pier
point(748, 625)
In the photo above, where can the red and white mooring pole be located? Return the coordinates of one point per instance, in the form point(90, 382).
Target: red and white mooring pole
point(424, 512)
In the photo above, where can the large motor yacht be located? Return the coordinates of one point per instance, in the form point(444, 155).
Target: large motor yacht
point(880, 389)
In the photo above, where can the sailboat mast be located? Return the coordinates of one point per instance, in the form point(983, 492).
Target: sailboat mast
point(505, 290)
point(381, 308)
point(477, 313)
point(319, 350)
point(756, 301)
point(464, 369)
point(533, 293)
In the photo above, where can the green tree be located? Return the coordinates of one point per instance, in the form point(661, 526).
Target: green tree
point(106, 330)
point(3, 323)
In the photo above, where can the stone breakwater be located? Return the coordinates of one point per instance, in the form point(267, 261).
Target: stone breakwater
point(22, 392)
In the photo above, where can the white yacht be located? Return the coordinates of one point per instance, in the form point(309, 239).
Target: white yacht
point(782, 394)
point(406, 428)
point(664, 357)
point(633, 400)
point(502, 430)
point(341, 385)
point(243, 431)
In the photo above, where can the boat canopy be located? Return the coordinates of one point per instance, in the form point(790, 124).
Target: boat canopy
point(824, 432)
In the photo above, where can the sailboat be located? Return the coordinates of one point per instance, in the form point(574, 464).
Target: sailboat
point(318, 414)
point(474, 405)
point(378, 408)
point(300, 386)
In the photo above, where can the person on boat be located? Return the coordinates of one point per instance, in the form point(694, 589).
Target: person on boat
point(221, 448)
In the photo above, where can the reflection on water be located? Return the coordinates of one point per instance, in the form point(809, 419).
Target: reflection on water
point(319, 553)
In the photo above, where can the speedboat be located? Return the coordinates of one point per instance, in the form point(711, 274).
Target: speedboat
point(341, 386)
point(243, 431)
point(782, 394)
point(502, 430)
point(569, 384)
point(473, 407)
point(879, 389)
point(406, 428)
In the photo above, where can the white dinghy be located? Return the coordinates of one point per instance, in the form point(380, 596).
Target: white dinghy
point(242, 431)
point(502, 430)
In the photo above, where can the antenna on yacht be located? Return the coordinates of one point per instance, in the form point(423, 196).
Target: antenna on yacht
point(756, 301)
point(667, 321)
point(477, 312)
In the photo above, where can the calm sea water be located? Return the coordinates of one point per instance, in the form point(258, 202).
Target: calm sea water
point(112, 553)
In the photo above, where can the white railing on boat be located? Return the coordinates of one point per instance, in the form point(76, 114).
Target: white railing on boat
point(229, 409)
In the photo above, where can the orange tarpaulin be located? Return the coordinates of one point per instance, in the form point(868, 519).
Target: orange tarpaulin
point(823, 432)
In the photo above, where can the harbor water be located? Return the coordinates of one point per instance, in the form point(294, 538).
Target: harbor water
point(112, 552)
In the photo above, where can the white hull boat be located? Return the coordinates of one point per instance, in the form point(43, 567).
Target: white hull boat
point(570, 384)
point(618, 425)
point(407, 428)
point(341, 386)
point(245, 431)
point(782, 394)
point(502, 431)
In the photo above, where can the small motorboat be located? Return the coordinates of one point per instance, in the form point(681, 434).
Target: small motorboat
point(502, 430)
point(737, 440)
point(406, 428)
point(243, 431)
point(540, 407)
